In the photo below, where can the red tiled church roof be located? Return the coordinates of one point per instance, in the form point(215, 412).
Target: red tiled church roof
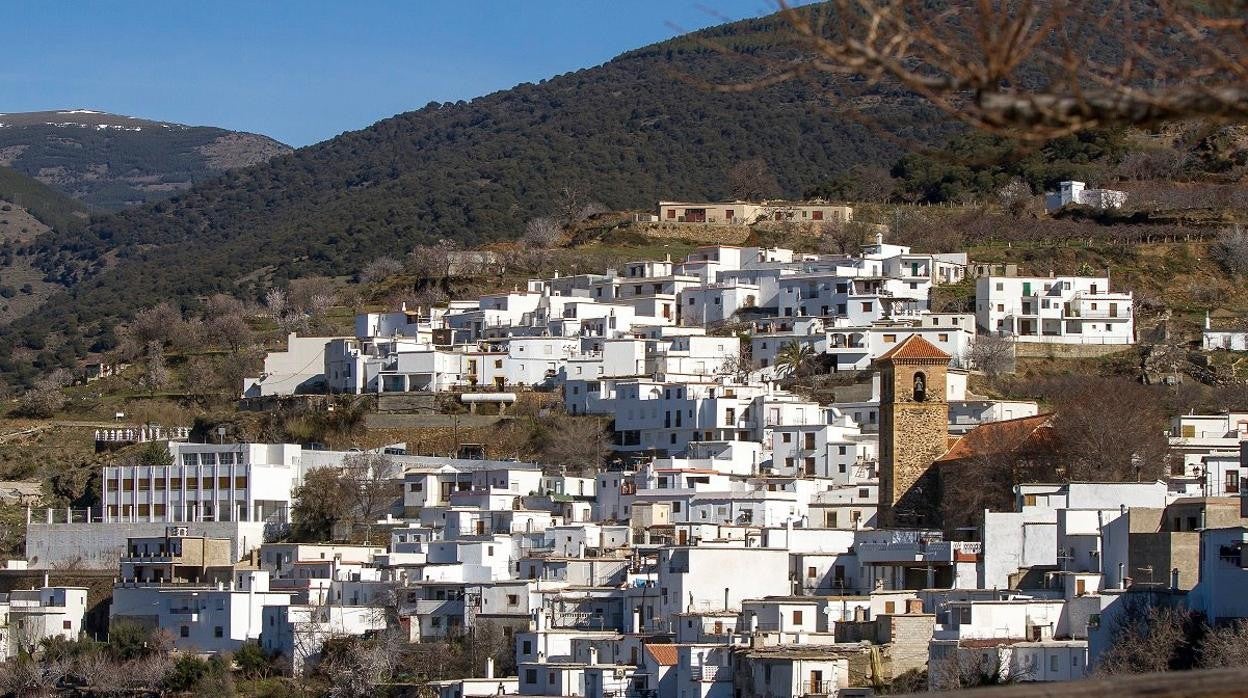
point(915, 347)
point(997, 437)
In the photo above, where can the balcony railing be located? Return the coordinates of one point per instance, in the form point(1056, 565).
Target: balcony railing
point(818, 688)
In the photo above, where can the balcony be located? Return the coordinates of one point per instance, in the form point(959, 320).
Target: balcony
point(712, 673)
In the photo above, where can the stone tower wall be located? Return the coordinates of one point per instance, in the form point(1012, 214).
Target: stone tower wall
point(913, 434)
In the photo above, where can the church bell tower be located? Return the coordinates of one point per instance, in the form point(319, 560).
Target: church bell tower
point(914, 430)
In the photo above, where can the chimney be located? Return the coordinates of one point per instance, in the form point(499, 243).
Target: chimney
point(1174, 579)
point(637, 619)
point(1122, 579)
point(860, 614)
point(593, 656)
point(914, 606)
point(45, 580)
point(489, 667)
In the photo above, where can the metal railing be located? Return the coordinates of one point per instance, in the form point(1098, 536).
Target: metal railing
point(818, 688)
point(142, 434)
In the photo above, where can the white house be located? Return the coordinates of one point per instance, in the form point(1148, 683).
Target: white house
point(1078, 193)
point(35, 615)
point(1228, 339)
point(297, 633)
point(208, 619)
point(299, 369)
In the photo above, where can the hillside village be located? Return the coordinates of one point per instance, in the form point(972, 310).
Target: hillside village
point(738, 534)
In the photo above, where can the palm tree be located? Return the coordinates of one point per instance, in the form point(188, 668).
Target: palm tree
point(793, 357)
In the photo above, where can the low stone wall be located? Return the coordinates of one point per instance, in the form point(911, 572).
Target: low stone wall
point(1037, 350)
point(416, 403)
point(704, 233)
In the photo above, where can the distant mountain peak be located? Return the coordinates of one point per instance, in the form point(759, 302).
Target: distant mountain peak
point(110, 161)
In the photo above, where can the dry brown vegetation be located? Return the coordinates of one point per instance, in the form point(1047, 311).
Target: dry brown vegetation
point(1032, 70)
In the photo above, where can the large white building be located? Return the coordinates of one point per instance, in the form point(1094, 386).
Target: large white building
point(206, 482)
point(1055, 310)
point(242, 492)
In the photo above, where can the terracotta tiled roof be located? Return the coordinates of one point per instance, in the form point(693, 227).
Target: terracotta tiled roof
point(996, 437)
point(914, 347)
point(665, 655)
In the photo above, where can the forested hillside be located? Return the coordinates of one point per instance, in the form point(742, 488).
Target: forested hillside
point(109, 161)
point(626, 133)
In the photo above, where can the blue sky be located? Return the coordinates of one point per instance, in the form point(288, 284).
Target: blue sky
point(306, 70)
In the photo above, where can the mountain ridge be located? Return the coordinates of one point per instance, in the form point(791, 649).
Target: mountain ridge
point(110, 161)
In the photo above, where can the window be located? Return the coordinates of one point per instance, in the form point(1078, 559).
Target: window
point(890, 338)
point(185, 631)
point(190, 459)
point(829, 519)
point(530, 675)
point(890, 606)
point(943, 336)
point(812, 572)
point(67, 625)
point(526, 647)
point(797, 617)
point(218, 631)
point(513, 599)
point(1053, 662)
point(866, 307)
